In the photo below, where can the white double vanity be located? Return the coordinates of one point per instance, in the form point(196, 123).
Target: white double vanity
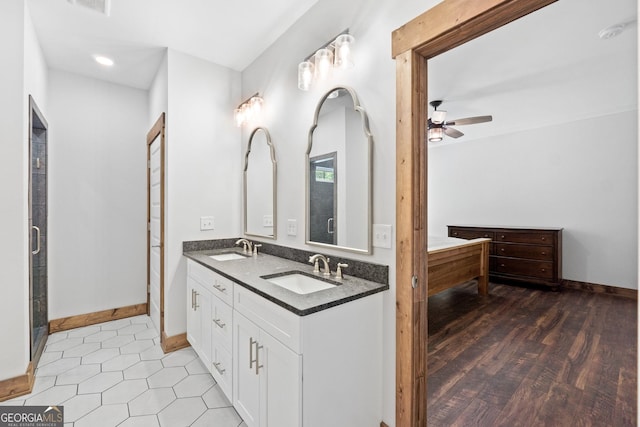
point(287, 358)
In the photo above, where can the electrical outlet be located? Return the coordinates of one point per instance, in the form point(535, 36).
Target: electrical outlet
point(382, 236)
point(292, 227)
point(206, 223)
point(267, 221)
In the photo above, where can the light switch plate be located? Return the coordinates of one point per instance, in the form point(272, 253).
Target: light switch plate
point(382, 236)
point(292, 227)
point(206, 223)
point(267, 221)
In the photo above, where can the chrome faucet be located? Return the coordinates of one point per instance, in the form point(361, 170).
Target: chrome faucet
point(314, 259)
point(246, 245)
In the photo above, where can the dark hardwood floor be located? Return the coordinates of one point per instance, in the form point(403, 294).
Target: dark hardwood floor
point(528, 357)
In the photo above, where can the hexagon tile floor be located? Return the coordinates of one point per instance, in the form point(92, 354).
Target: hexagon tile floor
point(115, 374)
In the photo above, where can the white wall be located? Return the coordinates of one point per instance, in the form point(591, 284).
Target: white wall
point(23, 73)
point(158, 93)
point(559, 176)
point(289, 114)
point(97, 188)
point(202, 178)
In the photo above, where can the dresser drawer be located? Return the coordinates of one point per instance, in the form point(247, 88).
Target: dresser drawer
point(277, 321)
point(222, 369)
point(524, 267)
point(212, 281)
point(543, 253)
point(540, 238)
point(464, 233)
point(221, 323)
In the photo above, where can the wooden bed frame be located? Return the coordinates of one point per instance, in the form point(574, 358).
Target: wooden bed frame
point(449, 267)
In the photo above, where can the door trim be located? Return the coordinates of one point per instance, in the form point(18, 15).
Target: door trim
point(158, 129)
point(441, 28)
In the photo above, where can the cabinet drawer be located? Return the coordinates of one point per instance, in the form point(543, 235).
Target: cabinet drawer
point(222, 370)
point(540, 238)
point(221, 323)
point(218, 285)
point(524, 267)
point(280, 323)
point(465, 233)
point(544, 253)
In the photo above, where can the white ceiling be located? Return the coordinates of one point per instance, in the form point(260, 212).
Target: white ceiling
point(548, 67)
point(135, 35)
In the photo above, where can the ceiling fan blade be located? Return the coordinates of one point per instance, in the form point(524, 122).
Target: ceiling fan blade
point(453, 133)
point(438, 116)
point(470, 120)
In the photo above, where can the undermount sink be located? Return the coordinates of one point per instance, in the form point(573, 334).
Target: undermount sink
point(227, 257)
point(298, 282)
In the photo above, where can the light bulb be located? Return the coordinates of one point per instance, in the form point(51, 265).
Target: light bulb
point(305, 75)
point(324, 63)
point(238, 116)
point(436, 134)
point(344, 55)
point(256, 104)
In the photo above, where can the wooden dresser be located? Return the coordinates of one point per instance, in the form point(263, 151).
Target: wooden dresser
point(522, 254)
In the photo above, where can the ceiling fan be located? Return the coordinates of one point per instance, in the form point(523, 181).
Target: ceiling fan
point(438, 127)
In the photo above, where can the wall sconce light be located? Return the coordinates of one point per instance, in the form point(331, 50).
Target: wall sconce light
point(318, 66)
point(248, 110)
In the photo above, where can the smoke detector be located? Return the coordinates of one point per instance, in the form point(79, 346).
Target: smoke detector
point(611, 32)
point(101, 6)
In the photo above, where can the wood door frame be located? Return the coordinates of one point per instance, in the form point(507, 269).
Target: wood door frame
point(158, 129)
point(441, 28)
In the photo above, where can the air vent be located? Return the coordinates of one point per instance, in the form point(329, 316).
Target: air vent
point(101, 6)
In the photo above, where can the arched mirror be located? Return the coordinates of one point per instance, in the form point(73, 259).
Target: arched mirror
point(338, 174)
point(260, 186)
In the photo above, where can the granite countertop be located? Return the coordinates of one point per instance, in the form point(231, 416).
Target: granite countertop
point(247, 273)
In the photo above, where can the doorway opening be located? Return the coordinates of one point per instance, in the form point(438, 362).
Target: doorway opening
point(38, 228)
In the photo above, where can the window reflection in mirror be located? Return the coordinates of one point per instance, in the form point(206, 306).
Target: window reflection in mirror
point(260, 186)
point(339, 174)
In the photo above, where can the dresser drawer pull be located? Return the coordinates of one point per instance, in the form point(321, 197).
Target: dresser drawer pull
point(219, 323)
point(502, 237)
point(486, 235)
point(217, 366)
point(544, 253)
point(543, 238)
point(220, 287)
point(501, 265)
point(455, 233)
point(502, 250)
point(543, 270)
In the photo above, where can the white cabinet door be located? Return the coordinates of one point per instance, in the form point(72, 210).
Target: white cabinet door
point(246, 384)
point(280, 384)
point(199, 320)
point(267, 386)
point(194, 329)
point(203, 308)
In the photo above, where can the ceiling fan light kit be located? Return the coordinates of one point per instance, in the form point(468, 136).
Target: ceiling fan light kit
point(437, 127)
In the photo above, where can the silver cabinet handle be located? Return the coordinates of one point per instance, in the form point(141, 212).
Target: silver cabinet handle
point(219, 323)
point(251, 341)
point(251, 359)
point(155, 246)
point(220, 287)
point(193, 301)
point(196, 306)
point(258, 365)
point(37, 251)
point(217, 366)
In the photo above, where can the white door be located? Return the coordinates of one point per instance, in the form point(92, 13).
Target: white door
point(155, 221)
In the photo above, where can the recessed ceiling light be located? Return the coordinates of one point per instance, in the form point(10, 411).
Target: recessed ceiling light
point(103, 60)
